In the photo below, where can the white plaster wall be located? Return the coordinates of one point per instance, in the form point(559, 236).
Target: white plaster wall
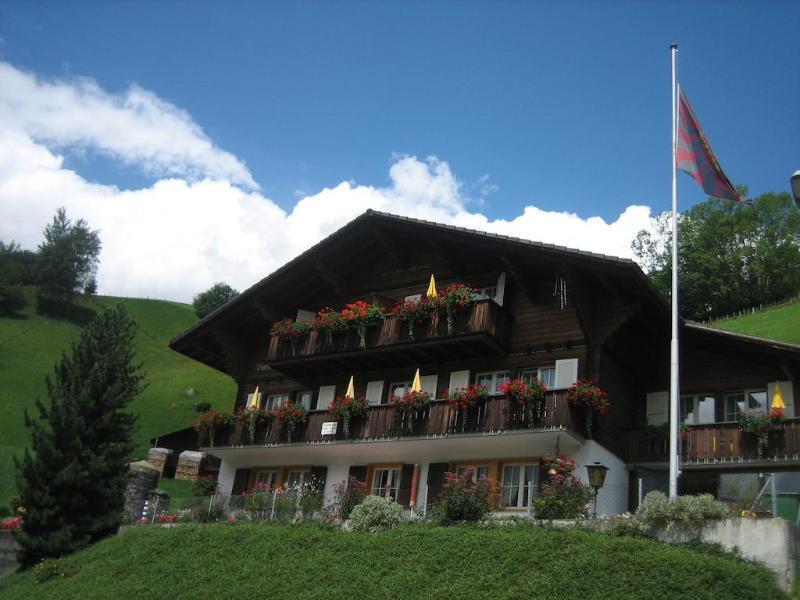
point(337, 473)
point(422, 487)
point(227, 471)
point(612, 498)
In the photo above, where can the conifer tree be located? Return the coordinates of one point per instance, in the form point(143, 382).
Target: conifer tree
point(72, 481)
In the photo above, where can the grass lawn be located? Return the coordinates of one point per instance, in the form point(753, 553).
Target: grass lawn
point(249, 560)
point(778, 323)
point(31, 345)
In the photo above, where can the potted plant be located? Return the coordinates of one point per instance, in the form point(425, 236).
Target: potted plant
point(410, 407)
point(587, 394)
point(451, 300)
point(207, 423)
point(527, 397)
point(253, 418)
point(290, 415)
point(291, 330)
point(327, 322)
point(361, 315)
point(345, 409)
point(464, 400)
point(411, 312)
point(760, 424)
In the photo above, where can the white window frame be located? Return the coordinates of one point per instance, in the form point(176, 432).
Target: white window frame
point(494, 388)
point(522, 485)
point(275, 400)
point(406, 388)
point(696, 399)
point(298, 398)
point(413, 298)
point(303, 473)
point(488, 292)
point(537, 371)
point(479, 470)
point(273, 477)
point(391, 486)
point(746, 395)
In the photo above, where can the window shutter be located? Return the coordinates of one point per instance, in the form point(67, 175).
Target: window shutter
point(566, 372)
point(404, 490)
point(429, 384)
point(501, 289)
point(359, 472)
point(240, 482)
point(326, 395)
point(374, 392)
point(657, 408)
point(436, 473)
point(459, 379)
point(787, 391)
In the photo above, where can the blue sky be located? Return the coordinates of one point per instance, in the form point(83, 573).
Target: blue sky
point(562, 106)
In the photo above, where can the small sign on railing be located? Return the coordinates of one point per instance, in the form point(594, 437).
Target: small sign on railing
point(329, 428)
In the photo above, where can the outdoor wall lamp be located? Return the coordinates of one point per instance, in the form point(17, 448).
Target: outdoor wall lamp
point(597, 477)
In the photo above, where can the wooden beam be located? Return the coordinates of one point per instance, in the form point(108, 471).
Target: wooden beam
point(333, 279)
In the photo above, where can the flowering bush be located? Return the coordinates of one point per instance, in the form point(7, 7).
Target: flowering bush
point(361, 314)
point(465, 498)
point(345, 409)
point(288, 328)
point(411, 312)
point(760, 424)
point(166, 518)
point(205, 485)
point(587, 394)
point(562, 496)
point(347, 495)
point(258, 501)
point(411, 401)
point(327, 322)
point(290, 415)
point(376, 513)
point(524, 393)
point(11, 523)
point(467, 397)
point(451, 300)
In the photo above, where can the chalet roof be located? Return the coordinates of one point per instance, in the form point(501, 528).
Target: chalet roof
point(741, 337)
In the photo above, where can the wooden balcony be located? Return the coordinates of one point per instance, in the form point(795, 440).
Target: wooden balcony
point(382, 423)
point(716, 443)
point(480, 330)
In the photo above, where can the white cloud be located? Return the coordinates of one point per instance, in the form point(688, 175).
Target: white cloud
point(180, 235)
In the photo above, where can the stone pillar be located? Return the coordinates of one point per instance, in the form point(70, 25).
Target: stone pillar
point(157, 457)
point(189, 462)
point(142, 478)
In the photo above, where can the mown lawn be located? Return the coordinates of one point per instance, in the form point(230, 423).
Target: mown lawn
point(778, 323)
point(248, 560)
point(30, 345)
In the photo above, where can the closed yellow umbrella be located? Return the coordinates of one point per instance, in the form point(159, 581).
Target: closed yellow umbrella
point(432, 293)
point(777, 397)
point(416, 386)
point(351, 389)
point(255, 400)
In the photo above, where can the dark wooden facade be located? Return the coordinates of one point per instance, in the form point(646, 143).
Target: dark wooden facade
point(613, 322)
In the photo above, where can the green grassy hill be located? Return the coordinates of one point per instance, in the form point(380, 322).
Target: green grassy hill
point(31, 345)
point(252, 560)
point(778, 323)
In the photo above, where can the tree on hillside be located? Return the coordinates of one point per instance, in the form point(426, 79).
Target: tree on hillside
point(732, 256)
point(207, 302)
point(16, 266)
point(67, 263)
point(72, 479)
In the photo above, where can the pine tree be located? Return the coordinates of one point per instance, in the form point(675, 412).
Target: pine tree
point(71, 484)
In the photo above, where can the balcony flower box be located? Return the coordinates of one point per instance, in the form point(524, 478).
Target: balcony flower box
point(526, 401)
point(465, 405)
point(586, 394)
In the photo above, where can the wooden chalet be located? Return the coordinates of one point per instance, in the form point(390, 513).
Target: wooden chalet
point(542, 311)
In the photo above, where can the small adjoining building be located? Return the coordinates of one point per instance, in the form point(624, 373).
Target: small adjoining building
point(541, 311)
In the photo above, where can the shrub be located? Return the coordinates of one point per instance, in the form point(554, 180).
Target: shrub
point(375, 514)
point(205, 485)
point(464, 498)
point(657, 510)
point(563, 496)
point(54, 568)
point(348, 495)
point(12, 299)
point(202, 407)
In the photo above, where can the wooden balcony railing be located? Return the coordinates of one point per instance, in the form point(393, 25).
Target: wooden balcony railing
point(483, 317)
point(495, 415)
point(719, 442)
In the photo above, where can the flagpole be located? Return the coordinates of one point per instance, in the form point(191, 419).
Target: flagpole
point(674, 388)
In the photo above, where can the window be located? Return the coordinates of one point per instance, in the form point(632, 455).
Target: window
point(698, 410)
point(266, 478)
point(386, 482)
point(748, 401)
point(304, 399)
point(489, 292)
point(413, 298)
point(547, 375)
point(493, 381)
point(296, 478)
point(478, 471)
point(275, 400)
point(399, 389)
point(519, 483)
